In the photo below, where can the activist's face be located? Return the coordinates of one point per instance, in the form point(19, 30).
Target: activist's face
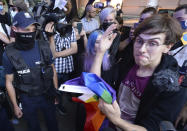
point(181, 16)
point(148, 49)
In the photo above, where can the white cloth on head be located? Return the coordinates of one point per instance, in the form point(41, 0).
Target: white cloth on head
point(60, 4)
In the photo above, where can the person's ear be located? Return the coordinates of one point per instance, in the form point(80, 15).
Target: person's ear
point(168, 47)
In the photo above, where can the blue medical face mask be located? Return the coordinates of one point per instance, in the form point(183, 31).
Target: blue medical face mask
point(1, 8)
point(183, 24)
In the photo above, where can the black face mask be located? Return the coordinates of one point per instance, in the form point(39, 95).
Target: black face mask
point(106, 25)
point(25, 41)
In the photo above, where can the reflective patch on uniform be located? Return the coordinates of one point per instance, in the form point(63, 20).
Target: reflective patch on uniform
point(24, 71)
point(38, 62)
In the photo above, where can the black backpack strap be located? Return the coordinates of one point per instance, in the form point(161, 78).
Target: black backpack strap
point(15, 58)
point(45, 52)
point(178, 51)
point(5, 30)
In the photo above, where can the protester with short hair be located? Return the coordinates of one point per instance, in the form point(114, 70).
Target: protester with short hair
point(149, 84)
point(90, 23)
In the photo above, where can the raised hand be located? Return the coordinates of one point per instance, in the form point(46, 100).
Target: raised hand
point(106, 39)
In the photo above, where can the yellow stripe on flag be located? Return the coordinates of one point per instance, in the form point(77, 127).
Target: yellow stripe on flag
point(184, 38)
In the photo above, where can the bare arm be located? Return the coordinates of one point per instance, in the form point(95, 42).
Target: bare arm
point(83, 33)
point(113, 113)
point(103, 46)
point(4, 38)
point(55, 79)
point(124, 44)
point(72, 50)
point(12, 95)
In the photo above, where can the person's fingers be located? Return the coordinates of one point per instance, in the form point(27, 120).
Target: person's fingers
point(112, 36)
point(20, 115)
point(109, 30)
point(179, 118)
point(49, 27)
point(100, 105)
point(183, 121)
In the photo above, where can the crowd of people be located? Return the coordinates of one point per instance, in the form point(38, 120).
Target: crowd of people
point(146, 64)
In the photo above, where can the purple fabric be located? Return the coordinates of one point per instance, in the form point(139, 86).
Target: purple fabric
point(137, 84)
point(90, 77)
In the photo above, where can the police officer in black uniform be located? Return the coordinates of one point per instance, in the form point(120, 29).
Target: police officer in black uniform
point(30, 74)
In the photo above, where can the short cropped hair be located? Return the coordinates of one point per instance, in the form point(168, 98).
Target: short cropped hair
point(181, 7)
point(106, 12)
point(149, 10)
point(161, 24)
point(89, 8)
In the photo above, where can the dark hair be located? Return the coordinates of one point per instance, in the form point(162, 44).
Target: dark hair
point(161, 24)
point(149, 10)
point(2, 1)
point(181, 7)
point(119, 20)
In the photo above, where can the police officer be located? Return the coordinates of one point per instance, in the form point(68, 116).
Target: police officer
point(30, 74)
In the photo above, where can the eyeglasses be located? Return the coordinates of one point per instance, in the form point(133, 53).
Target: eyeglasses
point(93, 12)
point(150, 44)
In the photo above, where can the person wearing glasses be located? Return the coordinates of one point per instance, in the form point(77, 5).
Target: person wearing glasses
point(89, 22)
point(148, 86)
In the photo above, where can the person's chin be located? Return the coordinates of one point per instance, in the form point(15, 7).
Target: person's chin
point(142, 62)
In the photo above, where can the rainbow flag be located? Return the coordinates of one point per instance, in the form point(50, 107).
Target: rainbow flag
point(92, 87)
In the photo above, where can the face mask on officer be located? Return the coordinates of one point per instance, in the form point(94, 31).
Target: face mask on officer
point(184, 24)
point(25, 41)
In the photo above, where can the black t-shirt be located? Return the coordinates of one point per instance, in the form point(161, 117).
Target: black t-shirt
point(1, 51)
point(6, 19)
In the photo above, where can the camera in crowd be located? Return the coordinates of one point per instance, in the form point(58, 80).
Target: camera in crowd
point(64, 29)
point(45, 14)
